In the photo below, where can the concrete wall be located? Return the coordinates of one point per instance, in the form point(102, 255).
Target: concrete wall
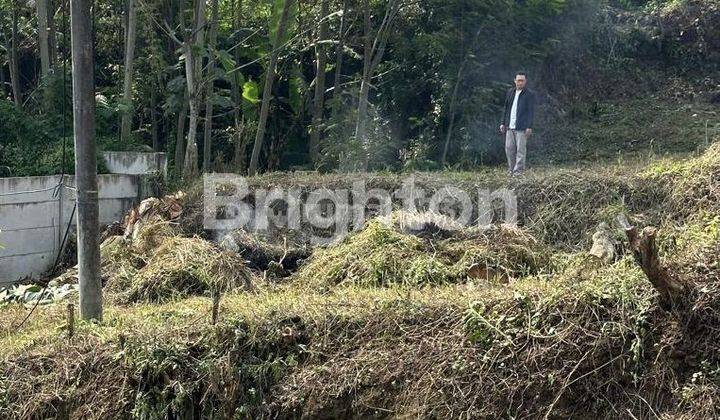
point(35, 212)
point(135, 163)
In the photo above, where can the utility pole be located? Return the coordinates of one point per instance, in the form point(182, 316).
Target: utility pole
point(83, 80)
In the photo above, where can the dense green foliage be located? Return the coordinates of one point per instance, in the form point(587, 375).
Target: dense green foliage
point(444, 61)
point(30, 147)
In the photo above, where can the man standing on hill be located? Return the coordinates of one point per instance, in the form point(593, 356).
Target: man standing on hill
point(517, 122)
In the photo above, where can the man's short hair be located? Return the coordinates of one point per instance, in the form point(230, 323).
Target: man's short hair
point(521, 73)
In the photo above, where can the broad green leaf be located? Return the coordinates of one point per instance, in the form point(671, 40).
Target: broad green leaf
point(33, 288)
point(250, 92)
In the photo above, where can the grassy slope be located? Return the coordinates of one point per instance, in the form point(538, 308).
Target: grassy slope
point(572, 340)
point(285, 346)
point(666, 118)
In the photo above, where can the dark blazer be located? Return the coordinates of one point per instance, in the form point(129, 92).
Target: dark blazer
point(525, 109)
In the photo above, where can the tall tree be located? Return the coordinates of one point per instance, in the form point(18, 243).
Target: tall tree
point(238, 118)
point(83, 79)
point(374, 49)
point(193, 68)
point(180, 138)
point(267, 90)
point(127, 116)
point(13, 55)
point(454, 96)
point(339, 59)
point(320, 64)
point(43, 44)
point(52, 32)
point(212, 42)
point(186, 147)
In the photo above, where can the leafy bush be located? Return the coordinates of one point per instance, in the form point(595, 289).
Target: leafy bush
point(33, 147)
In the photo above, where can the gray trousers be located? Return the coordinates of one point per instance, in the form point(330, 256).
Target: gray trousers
point(515, 150)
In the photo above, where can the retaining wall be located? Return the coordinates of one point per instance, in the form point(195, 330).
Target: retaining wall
point(35, 211)
point(135, 163)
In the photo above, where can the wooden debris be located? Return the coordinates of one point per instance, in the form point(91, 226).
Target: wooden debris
point(70, 320)
point(167, 208)
point(646, 255)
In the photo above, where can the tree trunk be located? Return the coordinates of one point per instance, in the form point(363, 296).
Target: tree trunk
point(180, 139)
point(456, 89)
point(193, 70)
point(127, 116)
point(451, 123)
point(207, 137)
point(646, 255)
point(267, 90)
point(44, 47)
point(321, 59)
point(365, 82)
point(200, 20)
point(2, 82)
point(339, 60)
point(190, 160)
point(13, 58)
point(85, 160)
point(193, 73)
point(239, 155)
point(52, 32)
point(154, 120)
point(374, 50)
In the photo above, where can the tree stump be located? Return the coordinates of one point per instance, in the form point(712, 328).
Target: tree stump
point(645, 252)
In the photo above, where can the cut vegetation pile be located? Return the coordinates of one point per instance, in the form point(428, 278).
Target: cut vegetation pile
point(182, 267)
point(152, 262)
point(412, 316)
point(418, 250)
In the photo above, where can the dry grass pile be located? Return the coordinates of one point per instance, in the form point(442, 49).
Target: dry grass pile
point(182, 267)
point(148, 236)
point(83, 380)
point(558, 206)
point(151, 262)
point(420, 253)
point(594, 345)
point(525, 353)
point(563, 209)
point(118, 261)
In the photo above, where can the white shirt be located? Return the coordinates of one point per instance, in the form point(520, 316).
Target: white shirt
point(513, 110)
